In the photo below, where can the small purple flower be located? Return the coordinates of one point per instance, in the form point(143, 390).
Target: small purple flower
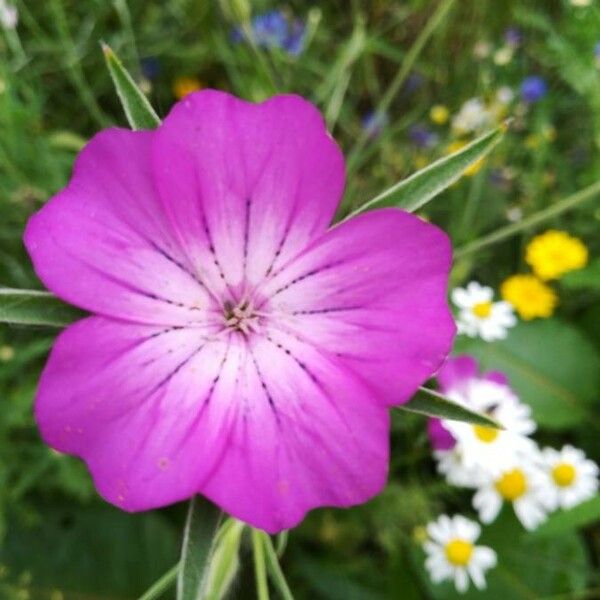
point(238, 346)
point(413, 82)
point(597, 51)
point(422, 137)
point(513, 36)
point(274, 30)
point(533, 88)
point(374, 122)
point(150, 67)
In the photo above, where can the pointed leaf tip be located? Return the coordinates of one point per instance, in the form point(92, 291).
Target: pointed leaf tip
point(433, 404)
point(138, 110)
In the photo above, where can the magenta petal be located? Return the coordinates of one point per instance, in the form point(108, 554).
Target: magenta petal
point(456, 371)
point(308, 434)
point(103, 242)
point(372, 292)
point(497, 377)
point(439, 436)
point(267, 432)
point(246, 185)
point(147, 408)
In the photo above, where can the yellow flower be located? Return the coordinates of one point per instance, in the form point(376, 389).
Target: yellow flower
point(439, 114)
point(531, 297)
point(182, 86)
point(459, 145)
point(554, 253)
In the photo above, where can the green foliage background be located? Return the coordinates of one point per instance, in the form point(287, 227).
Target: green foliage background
point(58, 540)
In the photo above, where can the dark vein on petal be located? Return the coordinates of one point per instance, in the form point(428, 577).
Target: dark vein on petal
point(316, 381)
point(246, 231)
point(183, 268)
point(264, 387)
point(319, 311)
point(205, 402)
point(307, 275)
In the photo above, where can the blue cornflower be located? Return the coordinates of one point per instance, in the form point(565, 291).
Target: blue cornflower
point(150, 67)
point(421, 136)
point(373, 123)
point(597, 50)
point(274, 30)
point(533, 88)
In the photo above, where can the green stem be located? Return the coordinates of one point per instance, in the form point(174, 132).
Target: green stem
point(160, 586)
point(275, 569)
point(260, 570)
point(503, 233)
point(201, 528)
point(407, 64)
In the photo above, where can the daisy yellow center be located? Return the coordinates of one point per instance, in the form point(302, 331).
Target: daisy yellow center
point(458, 552)
point(512, 485)
point(482, 309)
point(563, 474)
point(485, 434)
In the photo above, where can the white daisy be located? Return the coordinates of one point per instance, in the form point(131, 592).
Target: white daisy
point(452, 553)
point(571, 478)
point(451, 464)
point(487, 448)
point(479, 315)
point(521, 485)
point(472, 116)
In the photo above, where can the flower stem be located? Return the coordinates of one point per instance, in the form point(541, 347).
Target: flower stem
point(275, 569)
point(503, 233)
point(201, 528)
point(260, 570)
point(161, 585)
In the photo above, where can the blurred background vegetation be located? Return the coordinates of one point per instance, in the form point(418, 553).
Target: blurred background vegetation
point(375, 69)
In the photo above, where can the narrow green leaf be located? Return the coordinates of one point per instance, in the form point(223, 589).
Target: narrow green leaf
point(416, 191)
point(564, 521)
point(432, 404)
point(31, 307)
point(201, 528)
point(569, 203)
point(225, 561)
point(138, 110)
point(274, 568)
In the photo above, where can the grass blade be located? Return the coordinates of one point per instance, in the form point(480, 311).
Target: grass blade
point(569, 203)
point(157, 589)
point(138, 110)
point(32, 307)
point(434, 22)
point(432, 404)
point(413, 193)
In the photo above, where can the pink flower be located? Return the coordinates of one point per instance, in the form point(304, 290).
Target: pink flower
point(239, 348)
